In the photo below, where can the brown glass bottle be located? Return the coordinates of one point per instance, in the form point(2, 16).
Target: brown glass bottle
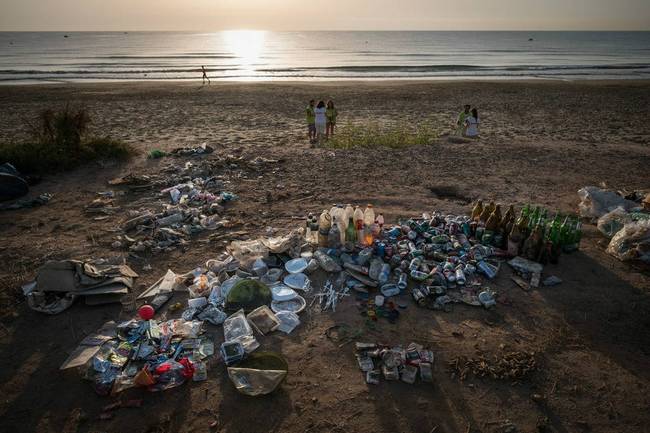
point(476, 211)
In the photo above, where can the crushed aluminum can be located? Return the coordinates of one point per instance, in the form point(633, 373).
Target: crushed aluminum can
point(426, 356)
point(409, 374)
point(365, 346)
point(365, 363)
point(426, 373)
point(372, 377)
point(390, 373)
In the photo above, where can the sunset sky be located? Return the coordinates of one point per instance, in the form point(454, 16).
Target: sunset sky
point(207, 15)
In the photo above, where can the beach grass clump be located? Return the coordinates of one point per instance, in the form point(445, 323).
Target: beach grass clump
point(61, 140)
point(379, 135)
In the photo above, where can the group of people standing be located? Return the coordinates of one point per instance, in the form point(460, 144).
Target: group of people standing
point(321, 120)
point(467, 124)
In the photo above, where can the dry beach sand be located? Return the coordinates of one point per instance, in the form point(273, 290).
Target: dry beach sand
point(541, 141)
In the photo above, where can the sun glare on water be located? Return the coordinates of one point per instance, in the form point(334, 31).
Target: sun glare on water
point(246, 46)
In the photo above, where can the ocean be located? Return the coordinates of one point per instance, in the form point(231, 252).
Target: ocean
point(27, 57)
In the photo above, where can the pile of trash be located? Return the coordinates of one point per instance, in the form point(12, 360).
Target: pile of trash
point(186, 208)
point(507, 366)
point(202, 150)
point(59, 283)
point(395, 363)
point(260, 286)
point(444, 259)
point(623, 219)
point(253, 291)
point(192, 207)
point(143, 353)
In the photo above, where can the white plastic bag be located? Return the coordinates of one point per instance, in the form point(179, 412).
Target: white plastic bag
point(248, 251)
point(610, 223)
point(596, 202)
point(288, 321)
point(632, 242)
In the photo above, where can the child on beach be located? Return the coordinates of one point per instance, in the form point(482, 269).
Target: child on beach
point(330, 114)
point(311, 121)
point(321, 120)
point(460, 124)
point(471, 124)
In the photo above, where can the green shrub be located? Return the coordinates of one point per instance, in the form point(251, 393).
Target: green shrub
point(59, 140)
point(378, 135)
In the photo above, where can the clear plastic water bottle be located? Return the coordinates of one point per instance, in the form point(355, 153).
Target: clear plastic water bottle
point(384, 273)
point(369, 215)
point(402, 283)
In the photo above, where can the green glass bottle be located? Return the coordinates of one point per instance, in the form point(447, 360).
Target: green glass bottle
point(532, 220)
point(565, 229)
point(350, 232)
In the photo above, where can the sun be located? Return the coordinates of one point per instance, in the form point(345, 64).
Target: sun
point(246, 46)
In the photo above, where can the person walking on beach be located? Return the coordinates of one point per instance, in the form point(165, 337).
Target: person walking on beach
point(205, 75)
point(460, 124)
point(311, 121)
point(330, 114)
point(471, 124)
point(321, 120)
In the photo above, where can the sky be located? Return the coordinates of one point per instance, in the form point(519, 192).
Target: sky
point(212, 15)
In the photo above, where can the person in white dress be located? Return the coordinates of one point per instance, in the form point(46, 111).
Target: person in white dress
point(321, 120)
point(471, 124)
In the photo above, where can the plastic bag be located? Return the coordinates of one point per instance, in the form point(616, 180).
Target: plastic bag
point(610, 223)
point(212, 314)
point(288, 321)
point(259, 374)
point(248, 251)
point(596, 202)
point(263, 319)
point(632, 242)
point(171, 374)
point(236, 328)
point(289, 244)
point(228, 264)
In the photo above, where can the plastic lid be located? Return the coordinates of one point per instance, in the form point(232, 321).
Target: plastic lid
point(370, 205)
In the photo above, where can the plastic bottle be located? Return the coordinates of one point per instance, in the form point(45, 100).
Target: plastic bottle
point(375, 269)
point(308, 236)
point(369, 215)
point(403, 281)
point(333, 210)
point(384, 273)
point(380, 221)
point(326, 262)
point(324, 225)
point(348, 212)
point(334, 235)
point(314, 230)
point(342, 222)
point(358, 222)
